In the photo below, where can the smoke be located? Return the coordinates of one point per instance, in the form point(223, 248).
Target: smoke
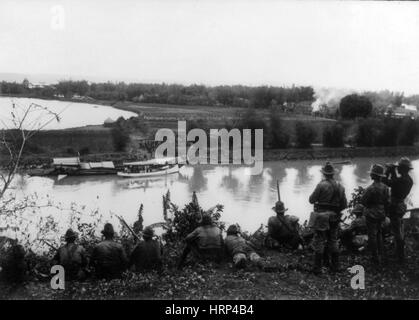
point(329, 96)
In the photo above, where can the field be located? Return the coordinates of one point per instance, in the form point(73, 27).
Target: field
point(166, 116)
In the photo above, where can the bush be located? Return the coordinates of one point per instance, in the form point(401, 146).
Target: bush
point(278, 138)
point(305, 135)
point(409, 131)
point(120, 138)
point(354, 106)
point(333, 136)
point(186, 220)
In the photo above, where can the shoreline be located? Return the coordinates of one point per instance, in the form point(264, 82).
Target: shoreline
point(268, 155)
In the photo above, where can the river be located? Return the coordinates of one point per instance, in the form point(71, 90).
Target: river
point(247, 199)
point(72, 114)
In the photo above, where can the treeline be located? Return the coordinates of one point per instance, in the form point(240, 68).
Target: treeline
point(234, 96)
point(377, 131)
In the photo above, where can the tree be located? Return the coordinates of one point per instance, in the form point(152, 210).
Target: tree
point(333, 136)
point(305, 134)
point(354, 106)
point(15, 135)
point(279, 138)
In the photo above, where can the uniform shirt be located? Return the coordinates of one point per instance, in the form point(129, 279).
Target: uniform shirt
point(376, 200)
point(330, 194)
point(72, 255)
point(277, 229)
point(206, 237)
point(147, 255)
point(109, 258)
point(235, 244)
point(400, 187)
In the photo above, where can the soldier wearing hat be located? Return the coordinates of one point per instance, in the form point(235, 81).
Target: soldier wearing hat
point(239, 249)
point(283, 229)
point(108, 257)
point(72, 257)
point(376, 201)
point(329, 200)
point(206, 242)
point(147, 255)
point(400, 183)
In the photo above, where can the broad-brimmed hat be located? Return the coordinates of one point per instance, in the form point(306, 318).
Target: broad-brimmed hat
point(108, 230)
point(405, 163)
point(233, 229)
point(148, 232)
point(70, 235)
point(279, 207)
point(328, 169)
point(377, 170)
point(206, 220)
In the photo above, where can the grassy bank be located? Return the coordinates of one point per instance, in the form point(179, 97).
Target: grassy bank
point(288, 278)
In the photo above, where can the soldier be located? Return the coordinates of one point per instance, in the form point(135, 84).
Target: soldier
point(147, 255)
point(72, 257)
point(108, 257)
point(376, 200)
point(400, 187)
point(282, 228)
point(239, 249)
point(206, 242)
point(13, 266)
point(329, 200)
point(357, 227)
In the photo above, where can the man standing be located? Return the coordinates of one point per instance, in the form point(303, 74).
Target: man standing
point(376, 200)
point(206, 242)
point(72, 257)
point(282, 228)
point(147, 254)
point(400, 187)
point(329, 200)
point(108, 257)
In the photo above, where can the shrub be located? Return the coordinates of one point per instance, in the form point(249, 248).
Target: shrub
point(186, 220)
point(409, 131)
point(305, 134)
point(277, 135)
point(333, 136)
point(120, 138)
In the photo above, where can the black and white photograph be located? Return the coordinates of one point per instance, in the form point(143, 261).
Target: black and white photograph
point(204, 151)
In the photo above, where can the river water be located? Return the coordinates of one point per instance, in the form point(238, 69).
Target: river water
point(71, 114)
point(247, 199)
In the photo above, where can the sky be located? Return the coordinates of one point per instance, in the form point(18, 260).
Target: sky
point(342, 44)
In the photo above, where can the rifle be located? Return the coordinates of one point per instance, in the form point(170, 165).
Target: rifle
point(48, 244)
point(285, 223)
point(128, 227)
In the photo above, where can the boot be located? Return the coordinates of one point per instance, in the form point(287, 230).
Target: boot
point(335, 267)
point(317, 268)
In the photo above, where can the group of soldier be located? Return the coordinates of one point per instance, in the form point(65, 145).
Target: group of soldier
point(383, 199)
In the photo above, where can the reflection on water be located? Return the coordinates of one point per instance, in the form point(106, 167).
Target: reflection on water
point(247, 199)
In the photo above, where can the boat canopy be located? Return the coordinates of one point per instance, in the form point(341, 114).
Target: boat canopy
point(95, 165)
point(160, 161)
point(75, 161)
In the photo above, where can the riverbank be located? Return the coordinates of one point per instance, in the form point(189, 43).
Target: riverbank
point(316, 153)
point(288, 279)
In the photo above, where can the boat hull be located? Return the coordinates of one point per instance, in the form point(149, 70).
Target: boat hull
point(171, 170)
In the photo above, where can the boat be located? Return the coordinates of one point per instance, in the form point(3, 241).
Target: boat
point(72, 166)
point(150, 168)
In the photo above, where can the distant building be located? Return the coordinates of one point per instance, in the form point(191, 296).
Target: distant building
point(405, 110)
